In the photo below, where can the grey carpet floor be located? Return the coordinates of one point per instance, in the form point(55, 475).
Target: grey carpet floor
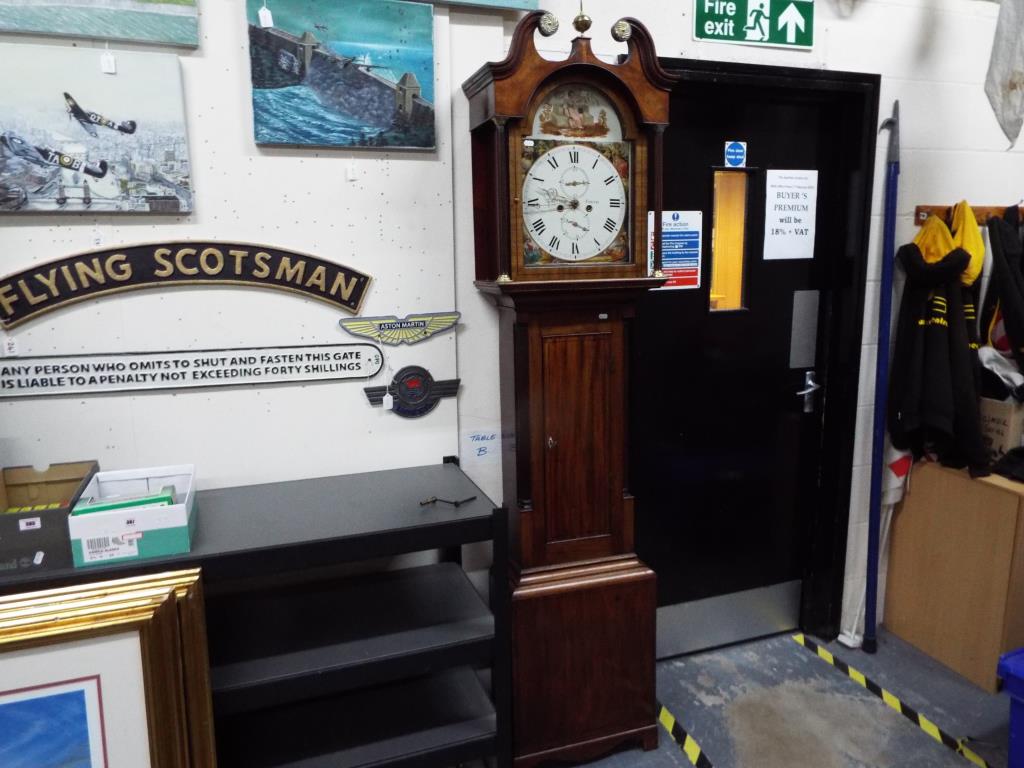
point(770, 703)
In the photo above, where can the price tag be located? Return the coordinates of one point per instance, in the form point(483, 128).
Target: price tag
point(109, 548)
point(10, 345)
point(108, 64)
point(389, 402)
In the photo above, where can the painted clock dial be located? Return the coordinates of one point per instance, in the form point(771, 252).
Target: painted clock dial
point(575, 202)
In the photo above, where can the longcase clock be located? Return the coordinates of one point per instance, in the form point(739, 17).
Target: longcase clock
point(566, 167)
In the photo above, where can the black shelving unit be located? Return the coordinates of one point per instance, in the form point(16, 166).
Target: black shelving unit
point(312, 670)
point(284, 645)
point(440, 719)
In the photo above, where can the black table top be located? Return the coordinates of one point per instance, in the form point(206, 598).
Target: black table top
point(254, 529)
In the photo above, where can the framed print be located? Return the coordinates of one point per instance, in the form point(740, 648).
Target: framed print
point(76, 601)
point(69, 672)
point(78, 736)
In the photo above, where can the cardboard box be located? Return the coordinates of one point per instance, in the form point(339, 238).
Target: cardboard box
point(1002, 425)
point(955, 585)
point(35, 536)
point(117, 535)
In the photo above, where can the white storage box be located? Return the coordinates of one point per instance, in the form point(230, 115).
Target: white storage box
point(135, 533)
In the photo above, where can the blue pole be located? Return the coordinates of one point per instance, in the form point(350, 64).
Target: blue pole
point(870, 641)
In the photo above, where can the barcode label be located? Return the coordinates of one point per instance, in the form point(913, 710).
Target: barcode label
point(110, 548)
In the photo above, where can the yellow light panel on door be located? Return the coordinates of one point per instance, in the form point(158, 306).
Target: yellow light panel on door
point(727, 239)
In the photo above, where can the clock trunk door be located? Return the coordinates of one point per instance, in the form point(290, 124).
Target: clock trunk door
point(579, 443)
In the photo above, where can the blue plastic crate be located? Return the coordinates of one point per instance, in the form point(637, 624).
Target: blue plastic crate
point(1011, 670)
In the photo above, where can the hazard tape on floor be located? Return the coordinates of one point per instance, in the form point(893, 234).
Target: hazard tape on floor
point(685, 741)
point(957, 745)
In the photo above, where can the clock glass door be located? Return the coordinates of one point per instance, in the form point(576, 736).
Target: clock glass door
point(574, 203)
point(575, 178)
point(741, 474)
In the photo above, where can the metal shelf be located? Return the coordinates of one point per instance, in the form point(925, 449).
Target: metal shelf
point(281, 645)
point(302, 524)
point(443, 719)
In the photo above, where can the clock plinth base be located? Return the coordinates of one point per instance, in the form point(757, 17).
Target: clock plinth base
point(583, 660)
point(646, 738)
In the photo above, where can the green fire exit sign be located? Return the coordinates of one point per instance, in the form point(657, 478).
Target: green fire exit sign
point(786, 23)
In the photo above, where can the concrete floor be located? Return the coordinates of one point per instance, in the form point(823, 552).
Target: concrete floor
point(771, 703)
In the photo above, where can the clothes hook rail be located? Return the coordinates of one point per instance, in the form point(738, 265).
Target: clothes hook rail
point(981, 212)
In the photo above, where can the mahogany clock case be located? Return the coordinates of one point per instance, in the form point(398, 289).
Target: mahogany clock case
point(582, 612)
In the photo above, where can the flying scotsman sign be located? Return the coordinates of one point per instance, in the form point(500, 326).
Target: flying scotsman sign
point(33, 292)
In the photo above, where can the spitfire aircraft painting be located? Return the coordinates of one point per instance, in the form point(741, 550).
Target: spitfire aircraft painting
point(73, 139)
point(89, 120)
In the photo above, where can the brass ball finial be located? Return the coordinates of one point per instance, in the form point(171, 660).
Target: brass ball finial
point(622, 30)
point(582, 22)
point(548, 24)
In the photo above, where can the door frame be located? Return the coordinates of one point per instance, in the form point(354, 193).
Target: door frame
point(842, 313)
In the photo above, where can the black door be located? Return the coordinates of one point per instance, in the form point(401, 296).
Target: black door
point(743, 483)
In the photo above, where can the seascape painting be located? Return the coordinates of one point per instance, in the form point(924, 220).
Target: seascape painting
point(170, 22)
point(342, 73)
point(73, 139)
point(57, 725)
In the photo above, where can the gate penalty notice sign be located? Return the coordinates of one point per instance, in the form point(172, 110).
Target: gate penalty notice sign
point(142, 371)
point(680, 247)
point(781, 23)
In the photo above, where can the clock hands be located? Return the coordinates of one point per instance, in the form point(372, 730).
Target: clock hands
point(552, 194)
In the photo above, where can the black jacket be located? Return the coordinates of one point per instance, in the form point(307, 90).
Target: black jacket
point(1006, 288)
point(933, 389)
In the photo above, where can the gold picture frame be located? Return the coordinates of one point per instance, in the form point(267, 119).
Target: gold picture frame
point(165, 611)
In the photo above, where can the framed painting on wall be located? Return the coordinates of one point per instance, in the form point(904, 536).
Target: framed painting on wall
point(170, 22)
point(75, 139)
point(342, 73)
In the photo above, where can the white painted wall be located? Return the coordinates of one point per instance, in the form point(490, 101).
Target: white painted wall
point(393, 221)
point(407, 220)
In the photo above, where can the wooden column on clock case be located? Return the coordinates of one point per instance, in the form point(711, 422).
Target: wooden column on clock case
point(582, 604)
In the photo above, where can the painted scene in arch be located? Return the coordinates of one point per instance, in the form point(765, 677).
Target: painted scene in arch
point(342, 73)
